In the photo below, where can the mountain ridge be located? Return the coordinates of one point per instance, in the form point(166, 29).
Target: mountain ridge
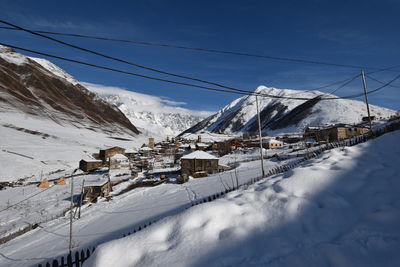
point(154, 116)
point(281, 115)
point(37, 87)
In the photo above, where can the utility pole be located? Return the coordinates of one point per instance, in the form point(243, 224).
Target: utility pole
point(366, 99)
point(260, 137)
point(70, 217)
point(81, 199)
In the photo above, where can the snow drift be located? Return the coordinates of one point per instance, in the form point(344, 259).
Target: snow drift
point(339, 209)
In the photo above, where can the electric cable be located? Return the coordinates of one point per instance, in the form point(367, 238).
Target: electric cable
point(238, 91)
point(297, 60)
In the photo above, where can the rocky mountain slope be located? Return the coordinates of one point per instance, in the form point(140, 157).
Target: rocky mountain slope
point(154, 116)
point(285, 115)
point(39, 88)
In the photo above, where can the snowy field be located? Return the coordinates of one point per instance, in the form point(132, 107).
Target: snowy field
point(106, 221)
point(339, 209)
point(33, 145)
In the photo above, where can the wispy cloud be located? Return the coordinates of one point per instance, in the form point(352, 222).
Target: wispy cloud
point(345, 36)
point(58, 24)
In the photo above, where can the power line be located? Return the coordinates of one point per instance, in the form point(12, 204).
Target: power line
point(118, 59)
point(239, 91)
point(31, 196)
point(156, 70)
point(343, 85)
point(376, 80)
point(326, 86)
point(297, 60)
point(385, 84)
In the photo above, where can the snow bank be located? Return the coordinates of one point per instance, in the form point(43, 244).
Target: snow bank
point(340, 209)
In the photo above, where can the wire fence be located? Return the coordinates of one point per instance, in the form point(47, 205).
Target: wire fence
point(77, 258)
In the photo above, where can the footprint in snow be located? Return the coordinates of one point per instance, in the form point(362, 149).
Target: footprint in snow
point(277, 188)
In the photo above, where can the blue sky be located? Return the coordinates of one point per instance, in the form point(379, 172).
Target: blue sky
point(348, 32)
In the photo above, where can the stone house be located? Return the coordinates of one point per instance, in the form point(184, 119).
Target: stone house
point(94, 189)
point(131, 153)
point(335, 133)
point(198, 161)
point(109, 152)
point(266, 143)
point(146, 151)
point(272, 144)
point(119, 162)
point(90, 165)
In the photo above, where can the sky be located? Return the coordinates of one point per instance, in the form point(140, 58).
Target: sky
point(362, 33)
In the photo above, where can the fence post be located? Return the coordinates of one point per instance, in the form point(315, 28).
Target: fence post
point(87, 254)
point(77, 259)
point(55, 263)
point(82, 256)
point(69, 260)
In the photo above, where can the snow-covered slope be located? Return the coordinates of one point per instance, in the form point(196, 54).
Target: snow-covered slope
point(31, 145)
point(285, 115)
point(340, 209)
point(154, 116)
point(39, 88)
point(48, 121)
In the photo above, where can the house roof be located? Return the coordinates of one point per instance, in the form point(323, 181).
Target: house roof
point(91, 160)
point(119, 156)
point(131, 151)
point(272, 141)
point(112, 148)
point(95, 183)
point(199, 155)
point(202, 145)
point(145, 148)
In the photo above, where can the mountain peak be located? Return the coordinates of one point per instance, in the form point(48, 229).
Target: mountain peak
point(285, 115)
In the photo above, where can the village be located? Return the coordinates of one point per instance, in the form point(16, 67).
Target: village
point(177, 159)
point(199, 133)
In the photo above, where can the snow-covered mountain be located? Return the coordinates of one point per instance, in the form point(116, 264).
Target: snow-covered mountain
point(39, 88)
point(154, 116)
point(285, 115)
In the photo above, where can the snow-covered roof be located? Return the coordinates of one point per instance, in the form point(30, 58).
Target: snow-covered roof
point(95, 182)
point(91, 160)
point(314, 127)
point(223, 166)
point(270, 140)
point(131, 151)
point(199, 155)
point(119, 157)
point(201, 145)
point(145, 148)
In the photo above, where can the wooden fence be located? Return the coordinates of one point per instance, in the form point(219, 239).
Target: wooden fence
point(73, 259)
point(84, 254)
